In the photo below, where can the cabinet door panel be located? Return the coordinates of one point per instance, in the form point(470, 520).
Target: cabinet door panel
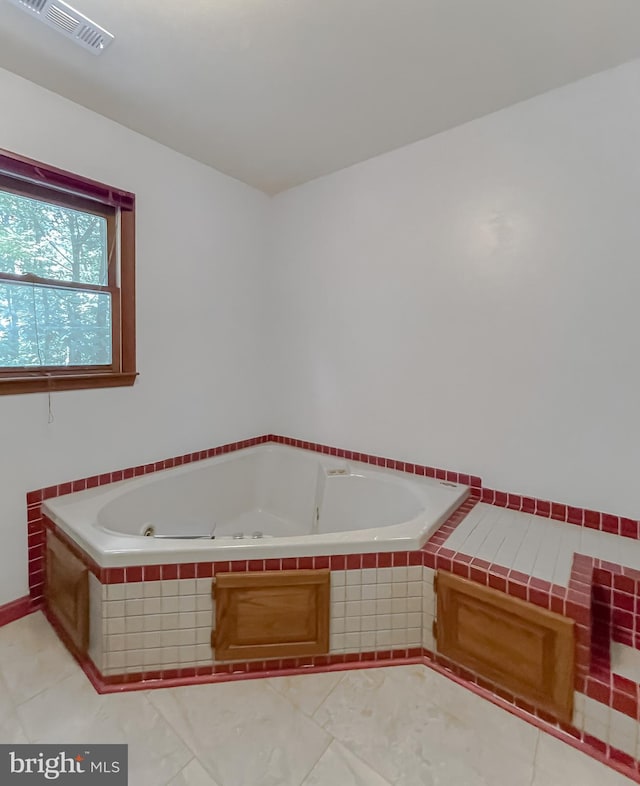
point(67, 591)
point(527, 650)
point(271, 615)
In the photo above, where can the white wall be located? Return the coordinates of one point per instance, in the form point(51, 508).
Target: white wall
point(471, 301)
point(200, 255)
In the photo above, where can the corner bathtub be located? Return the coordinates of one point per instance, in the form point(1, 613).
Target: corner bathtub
point(257, 503)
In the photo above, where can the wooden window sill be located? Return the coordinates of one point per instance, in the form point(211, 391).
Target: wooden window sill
point(80, 381)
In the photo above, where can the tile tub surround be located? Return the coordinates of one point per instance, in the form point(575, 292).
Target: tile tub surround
point(605, 702)
point(126, 656)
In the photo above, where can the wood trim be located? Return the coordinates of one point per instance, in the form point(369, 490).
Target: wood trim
point(128, 291)
point(36, 180)
point(28, 170)
point(523, 648)
point(283, 614)
point(43, 384)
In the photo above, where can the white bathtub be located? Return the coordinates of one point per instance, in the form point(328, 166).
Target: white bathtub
point(284, 502)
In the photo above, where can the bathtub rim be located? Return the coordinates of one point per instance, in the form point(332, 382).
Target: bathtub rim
point(75, 514)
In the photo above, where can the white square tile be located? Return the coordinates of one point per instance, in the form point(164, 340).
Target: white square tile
point(414, 620)
point(353, 608)
point(338, 593)
point(383, 591)
point(203, 652)
point(204, 619)
point(187, 619)
point(152, 606)
point(151, 639)
point(399, 605)
point(399, 637)
point(352, 625)
point(383, 621)
point(115, 643)
point(414, 589)
point(368, 640)
point(187, 603)
point(134, 641)
point(414, 573)
point(169, 587)
point(338, 625)
point(134, 607)
point(152, 622)
point(115, 591)
point(384, 575)
point(383, 638)
point(414, 637)
point(203, 586)
point(134, 624)
point(187, 654)
point(368, 607)
point(353, 593)
point(337, 642)
point(398, 621)
point(337, 610)
point(134, 658)
point(414, 604)
point(114, 608)
point(369, 591)
point(169, 621)
point(152, 589)
point(399, 573)
point(369, 576)
point(338, 578)
point(383, 606)
point(186, 586)
point(133, 589)
point(115, 625)
point(170, 605)
point(399, 590)
point(204, 602)
point(354, 578)
point(352, 641)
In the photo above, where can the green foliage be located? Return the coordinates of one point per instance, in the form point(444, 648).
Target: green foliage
point(45, 325)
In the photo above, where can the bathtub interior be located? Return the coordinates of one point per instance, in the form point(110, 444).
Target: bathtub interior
point(266, 493)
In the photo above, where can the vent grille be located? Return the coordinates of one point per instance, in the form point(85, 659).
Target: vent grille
point(61, 19)
point(66, 20)
point(35, 5)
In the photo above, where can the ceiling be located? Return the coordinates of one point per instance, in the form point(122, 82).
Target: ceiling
point(278, 92)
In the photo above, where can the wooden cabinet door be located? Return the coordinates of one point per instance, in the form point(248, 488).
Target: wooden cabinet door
point(527, 650)
point(67, 591)
point(271, 615)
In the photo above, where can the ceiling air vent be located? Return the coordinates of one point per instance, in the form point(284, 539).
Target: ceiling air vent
point(66, 20)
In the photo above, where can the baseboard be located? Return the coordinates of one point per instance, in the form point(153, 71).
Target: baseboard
point(18, 608)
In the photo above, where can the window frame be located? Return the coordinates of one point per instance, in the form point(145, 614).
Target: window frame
point(32, 179)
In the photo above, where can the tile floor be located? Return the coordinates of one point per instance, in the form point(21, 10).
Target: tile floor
point(374, 727)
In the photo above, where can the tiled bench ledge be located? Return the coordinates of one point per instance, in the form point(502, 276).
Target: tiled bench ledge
point(542, 561)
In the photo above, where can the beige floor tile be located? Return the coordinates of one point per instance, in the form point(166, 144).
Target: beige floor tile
point(72, 712)
point(32, 658)
point(558, 764)
point(194, 774)
point(244, 732)
point(306, 691)
point(339, 767)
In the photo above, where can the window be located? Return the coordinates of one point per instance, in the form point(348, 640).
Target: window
point(67, 280)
